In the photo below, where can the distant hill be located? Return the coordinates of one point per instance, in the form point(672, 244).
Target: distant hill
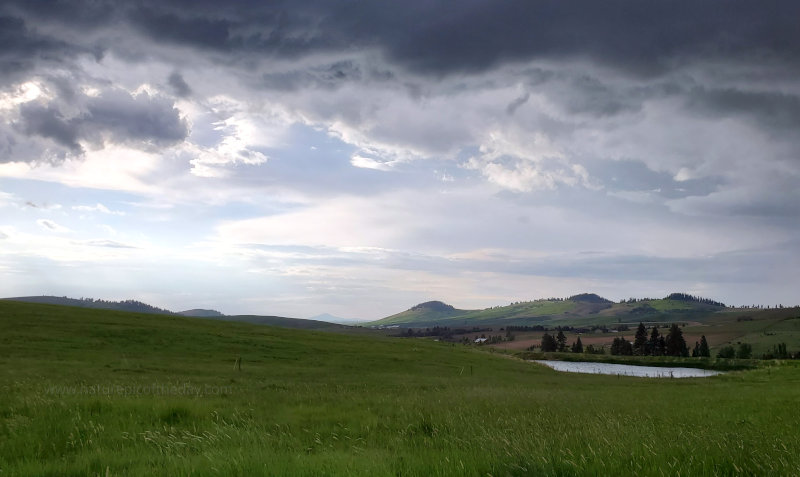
point(296, 323)
point(200, 313)
point(125, 305)
point(336, 319)
point(589, 298)
point(581, 309)
point(139, 307)
point(425, 313)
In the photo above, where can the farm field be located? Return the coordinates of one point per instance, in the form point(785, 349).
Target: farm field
point(96, 392)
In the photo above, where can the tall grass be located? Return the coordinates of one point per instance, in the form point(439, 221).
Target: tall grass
point(88, 392)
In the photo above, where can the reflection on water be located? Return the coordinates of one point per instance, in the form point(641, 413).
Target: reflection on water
point(627, 370)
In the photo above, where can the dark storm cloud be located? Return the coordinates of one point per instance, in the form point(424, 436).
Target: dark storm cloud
point(47, 121)
point(92, 13)
point(639, 36)
point(201, 32)
point(113, 116)
point(137, 119)
point(21, 48)
point(446, 37)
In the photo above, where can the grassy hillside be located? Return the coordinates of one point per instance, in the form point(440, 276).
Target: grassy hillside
point(139, 307)
point(93, 392)
point(125, 305)
point(297, 323)
point(579, 310)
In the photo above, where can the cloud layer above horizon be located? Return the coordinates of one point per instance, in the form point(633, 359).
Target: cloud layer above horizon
point(295, 158)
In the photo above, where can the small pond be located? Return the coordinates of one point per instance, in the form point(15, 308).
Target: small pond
point(627, 369)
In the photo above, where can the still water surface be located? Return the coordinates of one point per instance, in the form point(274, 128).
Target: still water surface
point(627, 370)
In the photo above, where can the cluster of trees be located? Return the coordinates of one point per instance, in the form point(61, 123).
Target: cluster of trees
point(558, 342)
point(637, 300)
point(443, 332)
point(644, 344)
point(526, 328)
point(655, 344)
point(554, 343)
point(695, 299)
point(701, 349)
point(745, 351)
point(761, 307)
point(678, 297)
point(779, 351)
point(438, 331)
point(124, 305)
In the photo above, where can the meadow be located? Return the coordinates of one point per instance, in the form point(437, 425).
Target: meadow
point(95, 392)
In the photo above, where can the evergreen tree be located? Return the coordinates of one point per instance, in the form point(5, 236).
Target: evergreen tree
point(652, 343)
point(704, 351)
point(562, 341)
point(675, 344)
point(577, 347)
point(696, 350)
point(621, 346)
point(661, 348)
point(640, 341)
point(549, 343)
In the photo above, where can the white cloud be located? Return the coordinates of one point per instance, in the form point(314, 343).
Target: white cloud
point(97, 208)
point(369, 163)
point(51, 226)
point(7, 199)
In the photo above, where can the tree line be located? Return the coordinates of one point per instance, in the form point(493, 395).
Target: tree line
point(653, 343)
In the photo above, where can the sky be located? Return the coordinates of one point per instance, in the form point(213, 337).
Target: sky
point(356, 158)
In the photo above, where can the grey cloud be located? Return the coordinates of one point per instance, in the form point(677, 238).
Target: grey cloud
point(586, 94)
point(634, 175)
point(769, 198)
point(47, 121)
point(192, 30)
point(141, 119)
point(3, 236)
point(768, 110)
point(115, 115)
point(638, 36)
point(21, 48)
point(441, 38)
point(325, 76)
point(92, 13)
point(514, 105)
point(179, 85)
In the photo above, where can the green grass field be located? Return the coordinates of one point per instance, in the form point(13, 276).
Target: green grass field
point(92, 392)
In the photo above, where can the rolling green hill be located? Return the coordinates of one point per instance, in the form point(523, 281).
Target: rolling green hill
point(296, 323)
point(109, 393)
point(583, 309)
point(139, 307)
point(125, 305)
